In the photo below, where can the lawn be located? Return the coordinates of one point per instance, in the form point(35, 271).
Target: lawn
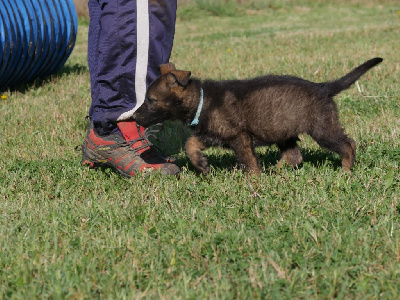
point(313, 232)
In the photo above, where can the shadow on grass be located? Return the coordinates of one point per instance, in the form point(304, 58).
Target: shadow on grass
point(62, 169)
point(175, 134)
point(66, 70)
point(268, 160)
point(56, 170)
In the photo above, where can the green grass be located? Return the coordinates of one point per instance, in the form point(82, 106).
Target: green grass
point(314, 232)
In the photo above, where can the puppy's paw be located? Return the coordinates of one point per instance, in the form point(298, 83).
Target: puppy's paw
point(203, 166)
point(251, 170)
point(293, 159)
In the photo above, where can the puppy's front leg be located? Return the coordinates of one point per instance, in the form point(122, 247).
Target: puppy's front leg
point(193, 149)
point(243, 147)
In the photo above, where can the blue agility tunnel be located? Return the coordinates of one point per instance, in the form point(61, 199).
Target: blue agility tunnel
point(36, 38)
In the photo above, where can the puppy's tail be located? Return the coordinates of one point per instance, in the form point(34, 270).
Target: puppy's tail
point(335, 87)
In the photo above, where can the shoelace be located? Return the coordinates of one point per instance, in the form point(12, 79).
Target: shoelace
point(149, 132)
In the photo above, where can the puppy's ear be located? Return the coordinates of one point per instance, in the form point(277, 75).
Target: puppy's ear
point(182, 77)
point(166, 68)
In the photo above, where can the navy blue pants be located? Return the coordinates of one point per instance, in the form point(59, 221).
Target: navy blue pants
point(127, 42)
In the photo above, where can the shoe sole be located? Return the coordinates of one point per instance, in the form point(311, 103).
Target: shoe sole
point(95, 161)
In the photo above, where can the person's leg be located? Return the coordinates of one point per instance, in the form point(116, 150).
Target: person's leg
point(128, 40)
point(93, 38)
point(112, 59)
point(155, 36)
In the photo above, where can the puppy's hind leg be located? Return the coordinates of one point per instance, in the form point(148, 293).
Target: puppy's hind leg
point(290, 153)
point(342, 145)
point(193, 149)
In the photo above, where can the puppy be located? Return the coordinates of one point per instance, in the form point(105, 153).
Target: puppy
point(240, 114)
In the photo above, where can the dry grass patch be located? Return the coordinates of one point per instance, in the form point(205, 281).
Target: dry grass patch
point(82, 8)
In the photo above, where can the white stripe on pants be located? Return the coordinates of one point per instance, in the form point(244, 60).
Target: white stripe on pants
point(142, 57)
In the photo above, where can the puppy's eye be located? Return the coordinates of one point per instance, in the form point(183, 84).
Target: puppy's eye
point(150, 100)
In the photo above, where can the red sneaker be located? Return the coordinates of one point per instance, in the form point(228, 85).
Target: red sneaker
point(127, 154)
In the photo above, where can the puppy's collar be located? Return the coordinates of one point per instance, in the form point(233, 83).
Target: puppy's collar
point(199, 108)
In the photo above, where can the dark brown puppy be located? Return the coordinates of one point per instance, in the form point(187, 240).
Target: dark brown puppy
point(240, 114)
